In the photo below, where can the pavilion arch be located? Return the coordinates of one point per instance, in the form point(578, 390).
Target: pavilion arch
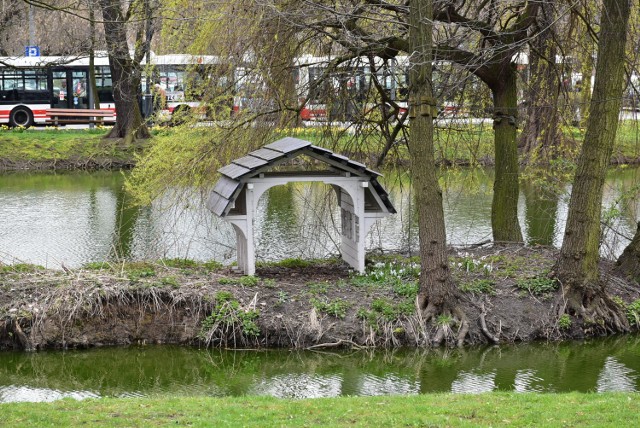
point(361, 198)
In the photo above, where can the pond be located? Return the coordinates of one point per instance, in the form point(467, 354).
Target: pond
point(596, 366)
point(53, 219)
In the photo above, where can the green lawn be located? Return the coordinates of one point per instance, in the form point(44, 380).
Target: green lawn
point(434, 410)
point(453, 143)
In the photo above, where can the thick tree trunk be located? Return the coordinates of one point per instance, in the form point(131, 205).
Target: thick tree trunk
point(504, 208)
point(577, 266)
point(126, 77)
point(628, 263)
point(438, 294)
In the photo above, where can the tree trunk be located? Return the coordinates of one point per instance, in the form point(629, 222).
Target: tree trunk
point(628, 263)
point(125, 75)
point(438, 294)
point(504, 208)
point(577, 266)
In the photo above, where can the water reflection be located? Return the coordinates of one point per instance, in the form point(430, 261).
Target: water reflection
point(527, 381)
point(474, 383)
point(75, 218)
point(604, 365)
point(616, 377)
point(14, 394)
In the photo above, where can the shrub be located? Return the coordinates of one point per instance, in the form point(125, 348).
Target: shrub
point(337, 308)
point(564, 322)
point(226, 317)
point(633, 313)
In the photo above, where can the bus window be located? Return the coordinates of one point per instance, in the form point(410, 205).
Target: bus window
point(104, 84)
point(12, 79)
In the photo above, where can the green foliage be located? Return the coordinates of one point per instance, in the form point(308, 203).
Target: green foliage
point(283, 297)
point(317, 288)
point(297, 263)
point(20, 268)
point(292, 263)
point(618, 301)
point(537, 286)
point(245, 281)
point(479, 286)
point(212, 266)
point(564, 322)
point(406, 288)
point(444, 320)
point(170, 281)
point(269, 283)
point(96, 266)
point(393, 273)
point(226, 315)
point(180, 263)
point(384, 310)
point(180, 163)
point(633, 313)
point(336, 308)
point(136, 271)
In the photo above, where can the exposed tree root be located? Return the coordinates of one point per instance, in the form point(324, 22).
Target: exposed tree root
point(597, 310)
point(485, 330)
point(446, 320)
point(24, 341)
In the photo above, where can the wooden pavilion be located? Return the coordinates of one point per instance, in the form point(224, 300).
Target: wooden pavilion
point(361, 198)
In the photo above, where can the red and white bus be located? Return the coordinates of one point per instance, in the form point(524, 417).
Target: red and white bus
point(29, 86)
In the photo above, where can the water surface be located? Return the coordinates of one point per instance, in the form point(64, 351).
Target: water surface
point(52, 219)
point(594, 366)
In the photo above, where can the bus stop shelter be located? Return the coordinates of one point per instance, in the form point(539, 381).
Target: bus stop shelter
point(361, 199)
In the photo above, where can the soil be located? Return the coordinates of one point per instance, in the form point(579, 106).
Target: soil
point(293, 304)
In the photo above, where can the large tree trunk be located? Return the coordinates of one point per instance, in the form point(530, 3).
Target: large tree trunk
point(577, 266)
point(628, 263)
point(438, 294)
point(125, 75)
point(504, 208)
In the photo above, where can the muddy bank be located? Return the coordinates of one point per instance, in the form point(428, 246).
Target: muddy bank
point(7, 165)
point(294, 304)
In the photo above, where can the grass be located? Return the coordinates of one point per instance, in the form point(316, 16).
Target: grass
point(433, 410)
point(470, 144)
point(58, 145)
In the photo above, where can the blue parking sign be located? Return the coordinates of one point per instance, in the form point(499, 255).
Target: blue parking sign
point(32, 51)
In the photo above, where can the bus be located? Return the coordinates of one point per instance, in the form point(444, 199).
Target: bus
point(346, 91)
point(29, 86)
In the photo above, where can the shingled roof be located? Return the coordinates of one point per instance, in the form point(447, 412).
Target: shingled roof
point(234, 175)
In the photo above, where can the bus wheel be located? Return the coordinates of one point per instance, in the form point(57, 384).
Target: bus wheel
point(21, 116)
